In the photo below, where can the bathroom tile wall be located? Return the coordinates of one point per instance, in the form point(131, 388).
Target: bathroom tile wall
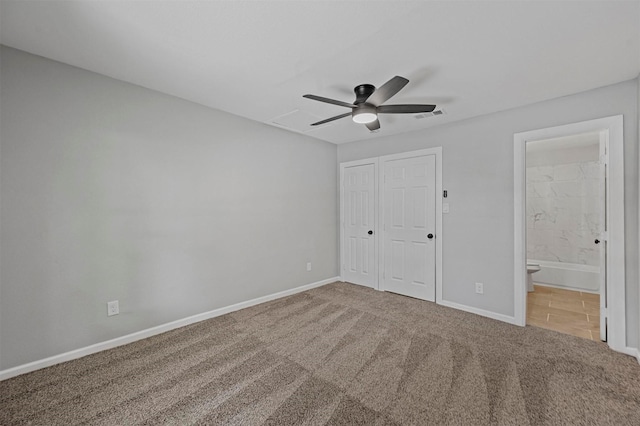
point(563, 213)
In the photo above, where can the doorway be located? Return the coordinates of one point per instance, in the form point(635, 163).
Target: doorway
point(566, 208)
point(611, 231)
point(391, 223)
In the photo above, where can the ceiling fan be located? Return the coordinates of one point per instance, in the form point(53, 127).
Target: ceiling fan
point(368, 103)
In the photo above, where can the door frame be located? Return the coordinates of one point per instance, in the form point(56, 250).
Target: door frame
point(615, 273)
point(343, 166)
point(437, 151)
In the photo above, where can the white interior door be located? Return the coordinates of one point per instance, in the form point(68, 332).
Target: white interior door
point(602, 241)
point(409, 223)
point(358, 210)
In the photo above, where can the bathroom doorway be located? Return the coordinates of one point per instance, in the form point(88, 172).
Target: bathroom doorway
point(584, 271)
point(565, 210)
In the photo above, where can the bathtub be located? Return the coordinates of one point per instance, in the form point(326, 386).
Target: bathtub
point(572, 276)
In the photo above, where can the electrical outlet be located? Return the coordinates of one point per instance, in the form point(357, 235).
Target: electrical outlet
point(113, 308)
point(308, 266)
point(479, 288)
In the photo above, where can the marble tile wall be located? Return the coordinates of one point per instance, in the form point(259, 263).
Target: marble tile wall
point(563, 213)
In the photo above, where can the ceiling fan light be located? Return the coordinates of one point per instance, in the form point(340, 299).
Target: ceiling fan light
point(364, 114)
point(365, 117)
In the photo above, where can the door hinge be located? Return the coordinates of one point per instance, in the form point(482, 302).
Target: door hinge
point(604, 159)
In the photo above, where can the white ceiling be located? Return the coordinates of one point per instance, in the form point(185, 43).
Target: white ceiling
point(257, 59)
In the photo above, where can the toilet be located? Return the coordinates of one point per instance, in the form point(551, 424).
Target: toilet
point(532, 268)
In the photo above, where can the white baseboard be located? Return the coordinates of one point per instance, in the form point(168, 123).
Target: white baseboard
point(634, 352)
point(478, 311)
point(566, 288)
point(143, 334)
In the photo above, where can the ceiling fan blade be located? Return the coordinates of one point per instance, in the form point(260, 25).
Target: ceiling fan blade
point(405, 109)
point(337, 117)
point(387, 90)
point(329, 101)
point(374, 125)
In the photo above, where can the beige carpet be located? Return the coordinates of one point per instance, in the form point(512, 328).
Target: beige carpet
point(338, 354)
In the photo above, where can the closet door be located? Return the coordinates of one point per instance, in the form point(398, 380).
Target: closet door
point(409, 226)
point(358, 225)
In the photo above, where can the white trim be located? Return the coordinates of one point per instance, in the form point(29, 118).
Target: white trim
point(519, 231)
point(437, 151)
point(638, 140)
point(537, 284)
point(355, 163)
point(564, 265)
point(143, 334)
point(634, 352)
point(615, 220)
point(478, 311)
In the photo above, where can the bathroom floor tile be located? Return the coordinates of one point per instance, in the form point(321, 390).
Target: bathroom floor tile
point(567, 293)
point(595, 312)
point(595, 335)
point(565, 311)
point(591, 305)
point(566, 329)
point(594, 318)
point(561, 321)
point(538, 301)
point(541, 289)
point(568, 315)
point(537, 314)
point(539, 323)
point(572, 306)
point(591, 297)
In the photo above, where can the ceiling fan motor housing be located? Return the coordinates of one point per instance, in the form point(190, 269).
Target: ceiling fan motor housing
point(363, 91)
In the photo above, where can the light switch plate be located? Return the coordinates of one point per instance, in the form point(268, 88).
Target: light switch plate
point(445, 207)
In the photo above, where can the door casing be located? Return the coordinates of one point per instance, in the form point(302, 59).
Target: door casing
point(615, 291)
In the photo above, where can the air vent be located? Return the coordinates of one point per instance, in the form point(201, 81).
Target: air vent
point(428, 114)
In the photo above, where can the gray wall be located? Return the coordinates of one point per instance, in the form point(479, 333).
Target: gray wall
point(112, 191)
point(478, 173)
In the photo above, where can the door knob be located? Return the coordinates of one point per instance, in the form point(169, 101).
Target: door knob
point(597, 241)
point(370, 232)
point(429, 236)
